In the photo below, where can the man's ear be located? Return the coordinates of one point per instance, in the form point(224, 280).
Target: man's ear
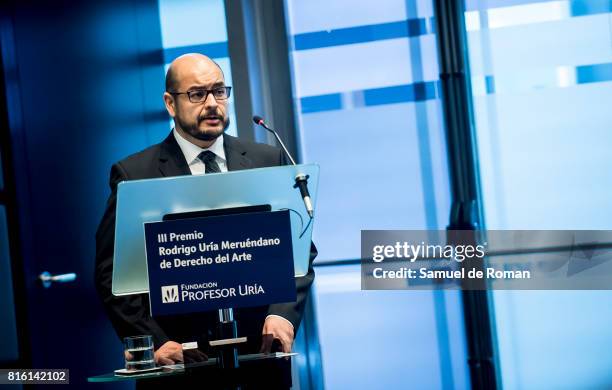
point(170, 104)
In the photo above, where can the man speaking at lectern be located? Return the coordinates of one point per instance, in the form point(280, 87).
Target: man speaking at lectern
point(196, 98)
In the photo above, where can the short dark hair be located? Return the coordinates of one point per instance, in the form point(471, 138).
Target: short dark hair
point(172, 82)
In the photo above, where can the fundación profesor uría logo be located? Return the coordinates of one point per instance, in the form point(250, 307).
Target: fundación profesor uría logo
point(170, 294)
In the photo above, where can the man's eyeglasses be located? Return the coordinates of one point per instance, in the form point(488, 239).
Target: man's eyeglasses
point(200, 95)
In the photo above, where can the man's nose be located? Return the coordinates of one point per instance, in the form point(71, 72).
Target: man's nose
point(210, 101)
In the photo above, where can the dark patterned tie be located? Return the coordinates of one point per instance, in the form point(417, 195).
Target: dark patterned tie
point(209, 160)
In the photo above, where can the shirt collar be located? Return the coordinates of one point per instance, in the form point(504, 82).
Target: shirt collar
point(191, 151)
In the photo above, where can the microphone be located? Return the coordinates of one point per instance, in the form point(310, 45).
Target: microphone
point(301, 180)
point(259, 121)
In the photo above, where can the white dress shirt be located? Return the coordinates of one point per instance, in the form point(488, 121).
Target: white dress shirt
point(191, 153)
point(197, 167)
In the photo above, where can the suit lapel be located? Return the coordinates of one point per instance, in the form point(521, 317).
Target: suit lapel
point(171, 159)
point(235, 154)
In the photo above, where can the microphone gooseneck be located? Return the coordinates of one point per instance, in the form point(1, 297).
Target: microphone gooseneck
point(259, 121)
point(301, 180)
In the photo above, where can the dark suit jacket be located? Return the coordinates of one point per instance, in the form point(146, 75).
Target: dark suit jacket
point(130, 314)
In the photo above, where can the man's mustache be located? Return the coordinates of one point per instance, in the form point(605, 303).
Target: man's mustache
point(211, 115)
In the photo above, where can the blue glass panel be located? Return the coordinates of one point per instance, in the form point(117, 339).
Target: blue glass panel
point(212, 50)
point(594, 73)
point(590, 7)
point(360, 34)
point(192, 22)
point(402, 93)
point(370, 115)
point(387, 339)
point(321, 103)
point(542, 124)
point(365, 85)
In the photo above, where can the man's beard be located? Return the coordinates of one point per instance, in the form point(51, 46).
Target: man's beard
point(195, 132)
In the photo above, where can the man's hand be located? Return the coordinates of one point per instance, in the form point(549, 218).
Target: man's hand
point(281, 330)
point(169, 353)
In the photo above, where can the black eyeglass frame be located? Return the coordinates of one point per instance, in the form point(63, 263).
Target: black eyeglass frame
point(228, 91)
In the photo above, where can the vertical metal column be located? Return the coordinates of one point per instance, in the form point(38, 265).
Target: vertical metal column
point(228, 356)
point(466, 213)
point(259, 51)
